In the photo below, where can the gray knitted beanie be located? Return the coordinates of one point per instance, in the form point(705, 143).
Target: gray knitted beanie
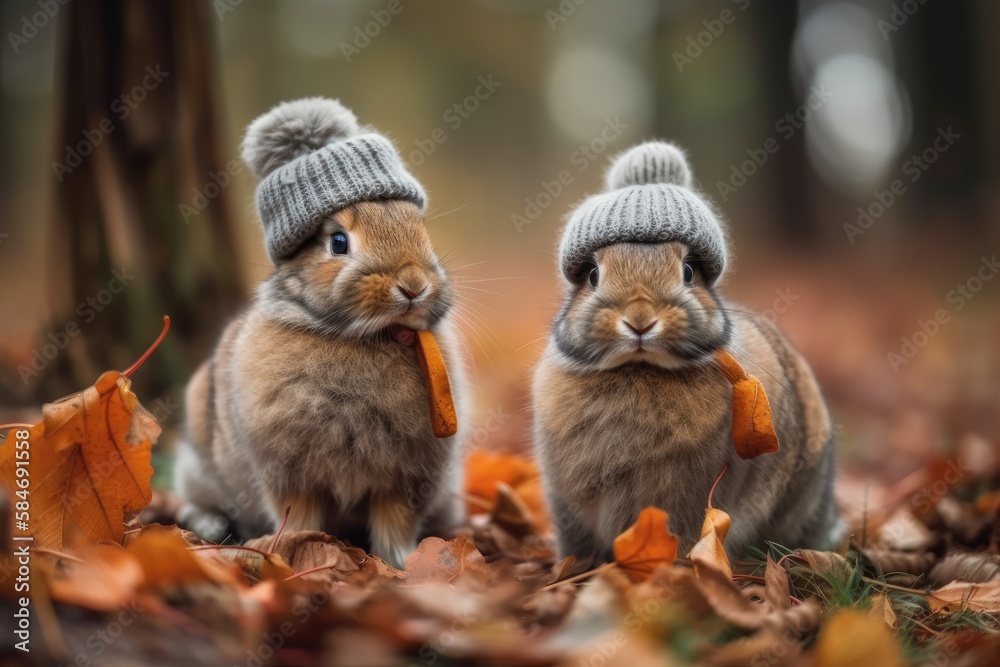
point(314, 160)
point(648, 198)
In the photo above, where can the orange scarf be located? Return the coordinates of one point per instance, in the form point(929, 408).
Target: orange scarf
point(753, 430)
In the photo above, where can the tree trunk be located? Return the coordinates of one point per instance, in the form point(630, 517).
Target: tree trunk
point(142, 226)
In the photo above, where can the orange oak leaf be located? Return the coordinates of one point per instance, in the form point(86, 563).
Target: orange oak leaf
point(646, 545)
point(708, 551)
point(86, 465)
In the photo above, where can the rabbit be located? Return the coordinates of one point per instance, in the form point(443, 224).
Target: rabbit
point(314, 399)
point(629, 410)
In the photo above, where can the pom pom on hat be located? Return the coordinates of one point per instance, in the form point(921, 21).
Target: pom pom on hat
point(649, 163)
point(293, 129)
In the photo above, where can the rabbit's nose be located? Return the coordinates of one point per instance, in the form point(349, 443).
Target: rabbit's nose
point(639, 330)
point(411, 293)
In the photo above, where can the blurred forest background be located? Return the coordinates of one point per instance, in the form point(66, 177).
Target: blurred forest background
point(852, 146)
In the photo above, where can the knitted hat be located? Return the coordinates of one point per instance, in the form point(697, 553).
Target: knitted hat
point(314, 160)
point(648, 198)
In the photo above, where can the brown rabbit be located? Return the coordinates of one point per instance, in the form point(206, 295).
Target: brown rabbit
point(630, 411)
point(314, 398)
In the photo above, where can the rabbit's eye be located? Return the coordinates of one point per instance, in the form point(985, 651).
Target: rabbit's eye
point(688, 273)
point(338, 243)
point(593, 277)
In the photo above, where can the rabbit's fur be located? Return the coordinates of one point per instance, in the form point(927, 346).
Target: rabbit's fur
point(310, 402)
point(620, 426)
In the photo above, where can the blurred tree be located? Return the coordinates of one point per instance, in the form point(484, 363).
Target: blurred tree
point(140, 200)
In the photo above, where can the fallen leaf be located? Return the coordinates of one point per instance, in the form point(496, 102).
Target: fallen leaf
point(777, 591)
point(902, 531)
point(89, 463)
point(484, 470)
point(168, 564)
point(105, 577)
point(511, 513)
point(708, 552)
point(646, 544)
point(882, 608)
point(958, 596)
point(311, 549)
point(969, 567)
point(887, 562)
point(850, 639)
point(832, 565)
point(439, 561)
point(727, 601)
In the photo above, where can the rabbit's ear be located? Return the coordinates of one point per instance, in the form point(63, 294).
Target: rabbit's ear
point(293, 129)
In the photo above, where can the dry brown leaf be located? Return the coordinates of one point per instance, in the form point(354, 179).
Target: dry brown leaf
point(960, 595)
point(851, 639)
point(888, 562)
point(484, 470)
point(708, 552)
point(511, 513)
point(105, 577)
point(882, 608)
point(311, 549)
point(901, 531)
point(168, 564)
point(440, 561)
point(970, 567)
point(89, 463)
point(827, 563)
point(727, 601)
point(647, 544)
point(776, 588)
